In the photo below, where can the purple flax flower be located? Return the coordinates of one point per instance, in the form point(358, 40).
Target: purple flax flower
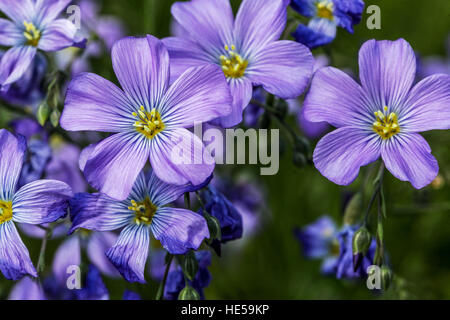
point(246, 48)
point(149, 117)
point(380, 118)
point(34, 26)
point(38, 202)
point(142, 213)
point(435, 64)
point(326, 16)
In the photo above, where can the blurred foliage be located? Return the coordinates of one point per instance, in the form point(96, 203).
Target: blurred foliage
point(270, 265)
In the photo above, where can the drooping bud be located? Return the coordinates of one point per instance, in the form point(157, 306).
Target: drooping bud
point(214, 227)
point(386, 277)
point(54, 118)
point(188, 293)
point(43, 112)
point(353, 209)
point(361, 244)
point(190, 265)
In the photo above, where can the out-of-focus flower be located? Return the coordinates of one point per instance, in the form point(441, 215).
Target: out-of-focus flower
point(176, 282)
point(26, 289)
point(38, 202)
point(246, 48)
point(34, 26)
point(131, 295)
point(142, 213)
point(28, 91)
point(434, 64)
point(381, 118)
point(326, 16)
point(322, 240)
point(92, 287)
point(150, 118)
point(217, 205)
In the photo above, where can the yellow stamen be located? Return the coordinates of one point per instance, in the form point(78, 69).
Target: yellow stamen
point(233, 66)
point(32, 34)
point(325, 9)
point(148, 123)
point(5, 211)
point(144, 211)
point(386, 125)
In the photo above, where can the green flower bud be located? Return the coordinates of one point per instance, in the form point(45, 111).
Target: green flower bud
point(54, 117)
point(361, 244)
point(190, 265)
point(42, 113)
point(353, 210)
point(188, 293)
point(214, 227)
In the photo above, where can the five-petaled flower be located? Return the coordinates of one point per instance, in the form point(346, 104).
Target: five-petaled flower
point(326, 16)
point(41, 201)
point(247, 49)
point(149, 117)
point(142, 213)
point(382, 117)
point(33, 25)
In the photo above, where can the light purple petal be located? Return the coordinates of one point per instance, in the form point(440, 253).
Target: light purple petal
point(15, 260)
point(387, 70)
point(334, 97)
point(99, 243)
point(41, 201)
point(339, 155)
point(85, 154)
point(49, 10)
point(98, 212)
point(179, 157)
point(198, 95)
point(68, 254)
point(94, 103)
point(26, 289)
point(18, 10)
point(15, 63)
point(130, 252)
point(10, 34)
point(208, 22)
point(241, 91)
point(428, 105)
point(115, 163)
point(258, 22)
point(60, 34)
point(408, 157)
point(142, 68)
point(283, 68)
point(12, 152)
point(184, 54)
point(179, 230)
point(162, 193)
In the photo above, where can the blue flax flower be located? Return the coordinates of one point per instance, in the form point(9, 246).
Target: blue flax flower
point(142, 213)
point(33, 25)
point(149, 117)
point(326, 16)
point(246, 48)
point(38, 202)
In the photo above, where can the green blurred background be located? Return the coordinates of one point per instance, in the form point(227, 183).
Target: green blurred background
point(270, 265)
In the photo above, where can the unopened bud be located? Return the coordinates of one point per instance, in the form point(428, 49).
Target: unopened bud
point(42, 113)
point(214, 227)
point(386, 277)
point(188, 293)
point(190, 265)
point(361, 244)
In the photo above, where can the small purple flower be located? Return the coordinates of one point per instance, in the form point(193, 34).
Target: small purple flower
point(176, 282)
point(326, 16)
point(246, 48)
point(38, 202)
point(149, 118)
point(434, 64)
point(131, 295)
point(380, 118)
point(322, 240)
point(142, 213)
point(29, 90)
point(33, 25)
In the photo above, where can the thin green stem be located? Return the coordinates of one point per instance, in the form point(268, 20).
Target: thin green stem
point(187, 200)
point(162, 285)
point(40, 266)
point(376, 191)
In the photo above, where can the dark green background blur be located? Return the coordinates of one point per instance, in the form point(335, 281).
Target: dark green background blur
point(270, 264)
